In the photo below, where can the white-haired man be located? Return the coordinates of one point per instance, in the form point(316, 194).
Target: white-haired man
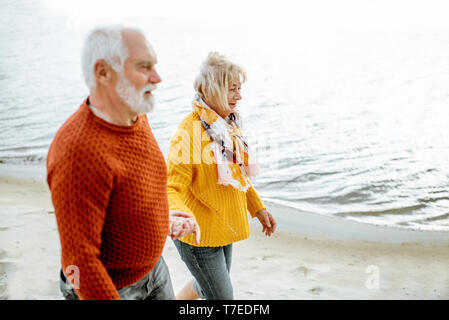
point(107, 178)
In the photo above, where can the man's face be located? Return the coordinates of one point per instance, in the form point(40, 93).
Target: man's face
point(135, 85)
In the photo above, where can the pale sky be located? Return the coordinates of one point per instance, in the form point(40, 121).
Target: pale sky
point(400, 15)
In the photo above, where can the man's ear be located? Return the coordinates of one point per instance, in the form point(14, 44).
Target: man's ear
point(103, 72)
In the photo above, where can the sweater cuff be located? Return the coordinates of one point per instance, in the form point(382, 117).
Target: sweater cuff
point(178, 205)
point(254, 202)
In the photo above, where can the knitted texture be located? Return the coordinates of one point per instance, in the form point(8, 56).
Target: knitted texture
point(221, 211)
point(108, 188)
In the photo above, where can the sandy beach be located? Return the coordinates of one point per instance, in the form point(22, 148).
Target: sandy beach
point(309, 257)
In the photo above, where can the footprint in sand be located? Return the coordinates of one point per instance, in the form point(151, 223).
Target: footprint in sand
point(316, 290)
point(5, 266)
point(2, 253)
point(270, 256)
point(306, 272)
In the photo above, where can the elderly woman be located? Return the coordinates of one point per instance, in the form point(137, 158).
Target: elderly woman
point(209, 165)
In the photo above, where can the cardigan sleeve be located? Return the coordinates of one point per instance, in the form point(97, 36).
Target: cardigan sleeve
point(254, 201)
point(180, 170)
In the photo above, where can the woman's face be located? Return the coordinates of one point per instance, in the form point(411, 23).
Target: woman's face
point(234, 94)
point(233, 97)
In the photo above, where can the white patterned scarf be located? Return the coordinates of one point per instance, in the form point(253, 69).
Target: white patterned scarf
point(235, 160)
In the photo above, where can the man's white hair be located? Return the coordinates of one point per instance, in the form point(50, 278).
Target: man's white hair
point(103, 43)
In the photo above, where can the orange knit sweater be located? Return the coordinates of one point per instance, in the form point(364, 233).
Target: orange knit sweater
point(108, 187)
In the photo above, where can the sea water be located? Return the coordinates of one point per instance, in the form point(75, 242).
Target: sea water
point(349, 122)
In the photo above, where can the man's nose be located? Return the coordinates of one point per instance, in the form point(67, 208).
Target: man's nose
point(154, 77)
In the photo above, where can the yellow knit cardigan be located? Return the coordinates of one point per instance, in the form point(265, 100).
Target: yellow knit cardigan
point(221, 211)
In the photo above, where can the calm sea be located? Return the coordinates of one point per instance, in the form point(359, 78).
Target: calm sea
point(345, 123)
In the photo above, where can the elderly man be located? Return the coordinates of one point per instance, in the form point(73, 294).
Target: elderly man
point(107, 178)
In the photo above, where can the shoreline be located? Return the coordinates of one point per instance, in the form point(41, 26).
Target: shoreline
point(291, 220)
point(310, 256)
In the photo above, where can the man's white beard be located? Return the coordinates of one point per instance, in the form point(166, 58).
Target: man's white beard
point(134, 98)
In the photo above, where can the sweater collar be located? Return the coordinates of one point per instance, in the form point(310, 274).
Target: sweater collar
point(86, 107)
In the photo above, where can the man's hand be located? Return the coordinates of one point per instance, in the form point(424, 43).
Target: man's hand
point(267, 221)
point(182, 224)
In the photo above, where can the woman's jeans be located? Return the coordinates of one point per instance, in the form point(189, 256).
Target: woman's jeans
point(210, 267)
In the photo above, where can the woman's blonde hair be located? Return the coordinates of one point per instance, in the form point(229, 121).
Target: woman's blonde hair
point(217, 73)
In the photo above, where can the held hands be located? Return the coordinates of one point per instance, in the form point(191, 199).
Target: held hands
point(183, 224)
point(267, 221)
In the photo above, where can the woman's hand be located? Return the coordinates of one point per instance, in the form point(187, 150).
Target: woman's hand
point(267, 221)
point(182, 224)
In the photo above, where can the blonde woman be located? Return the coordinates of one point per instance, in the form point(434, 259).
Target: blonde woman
point(209, 166)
